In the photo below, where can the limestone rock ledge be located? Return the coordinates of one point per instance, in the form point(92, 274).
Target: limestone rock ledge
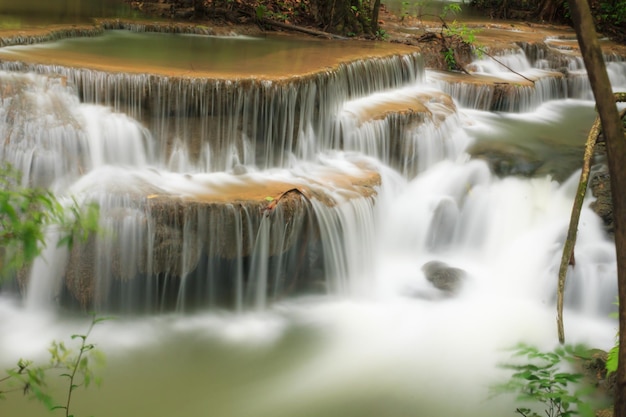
point(163, 229)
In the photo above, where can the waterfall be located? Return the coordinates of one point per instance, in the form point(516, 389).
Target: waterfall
point(231, 193)
point(252, 122)
point(51, 137)
point(506, 82)
point(275, 244)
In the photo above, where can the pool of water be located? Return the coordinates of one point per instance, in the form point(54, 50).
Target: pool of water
point(191, 54)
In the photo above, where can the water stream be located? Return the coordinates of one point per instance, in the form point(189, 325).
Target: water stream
point(321, 308)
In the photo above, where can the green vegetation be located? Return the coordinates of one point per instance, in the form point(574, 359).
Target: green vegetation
point(457, 41)
point(75, 366)
point(612, 12)
point(25, 215)
point(613, 354)
point(542, 379)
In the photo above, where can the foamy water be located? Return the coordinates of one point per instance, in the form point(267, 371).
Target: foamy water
point(382, 340)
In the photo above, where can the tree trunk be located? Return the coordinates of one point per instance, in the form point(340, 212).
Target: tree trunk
point(548, 10)
point(198, 8)
point(616, 153)
point(375, 13)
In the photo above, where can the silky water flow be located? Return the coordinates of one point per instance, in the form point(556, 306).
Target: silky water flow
point(323, 308)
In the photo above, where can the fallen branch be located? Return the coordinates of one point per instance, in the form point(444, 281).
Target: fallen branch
point(273, 202)
point(301, 29)
point(506, 66)
point(567, 258)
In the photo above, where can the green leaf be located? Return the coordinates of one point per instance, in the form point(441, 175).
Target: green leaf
point(612, 359)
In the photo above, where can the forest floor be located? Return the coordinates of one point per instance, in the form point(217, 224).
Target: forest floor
point(425, 33)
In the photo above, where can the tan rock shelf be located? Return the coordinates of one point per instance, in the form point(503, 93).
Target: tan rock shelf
point(166, 226)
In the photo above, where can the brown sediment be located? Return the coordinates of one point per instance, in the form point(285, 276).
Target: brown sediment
point(483, 79)
point(407, 105)
point(246, 188)
point(39, 34)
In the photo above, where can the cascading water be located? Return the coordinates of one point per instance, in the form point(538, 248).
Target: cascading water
point(361, 184)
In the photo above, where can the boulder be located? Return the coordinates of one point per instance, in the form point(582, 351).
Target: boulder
point(444, 277)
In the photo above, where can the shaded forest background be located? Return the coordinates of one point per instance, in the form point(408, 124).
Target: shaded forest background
point(360, 17)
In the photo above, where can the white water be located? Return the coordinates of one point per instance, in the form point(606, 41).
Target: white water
point(383, 342)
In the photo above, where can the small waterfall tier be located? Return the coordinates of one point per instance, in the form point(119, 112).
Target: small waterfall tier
point(231, 172)
point(500, 86)
point(211, 239)
point(214, 192)
point(523, 78)
point(561, 54)
point(410, 128)
point(204, 117)
point(30, 35)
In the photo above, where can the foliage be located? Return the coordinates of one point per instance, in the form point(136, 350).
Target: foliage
point(25, 215)
point(450, 9)
point(75, 366)
point(542, 379)
point(613, 12)
point(613, 354)
point(448, 56)
point(381, 34)
point(612, 359)
point(461, 30)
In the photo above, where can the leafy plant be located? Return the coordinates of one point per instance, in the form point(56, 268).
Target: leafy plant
point(613, 354)
point(450, 8)
point(542, 379)
point(261, 11)
point(25, 215)
point(614, 12)
point(455, 29)
point(612, 359)
point(450, 59)
point(381, 34)
point(76, 366)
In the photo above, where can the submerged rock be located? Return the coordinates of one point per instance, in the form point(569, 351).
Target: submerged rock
point(444, 277)
point(506, 159)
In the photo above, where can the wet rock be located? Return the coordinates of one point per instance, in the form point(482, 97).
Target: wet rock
point(443, 224)
point(493, 92)
point(593, 367)
point(600, 186)
point(506, 159)
point(444, 277)
point(213, 235)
